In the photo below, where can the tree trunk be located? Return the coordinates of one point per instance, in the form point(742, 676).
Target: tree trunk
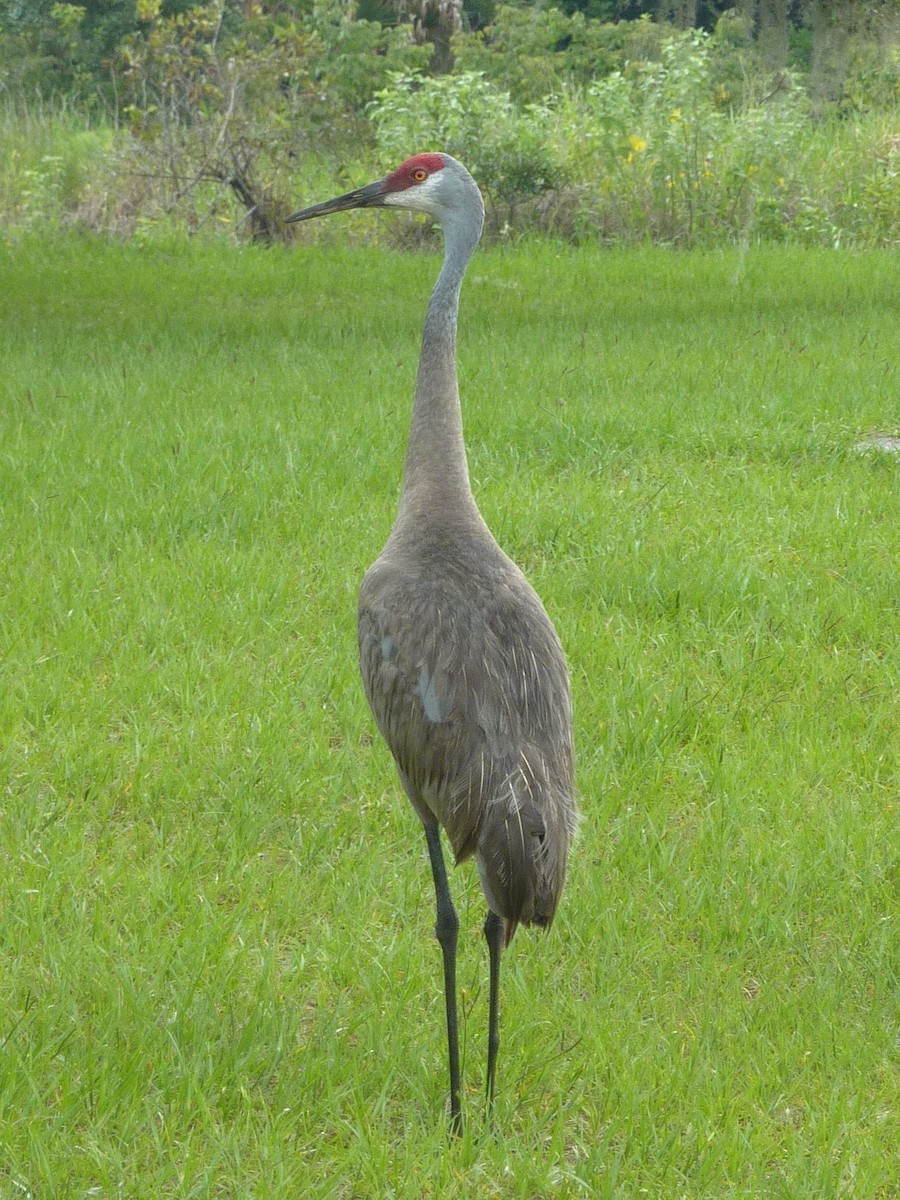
point(831, 20)
point(436, 21)
point(680, 13)
point(748, 10)
point(773, 33)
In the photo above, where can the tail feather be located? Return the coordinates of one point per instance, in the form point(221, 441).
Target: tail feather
point(521, 859)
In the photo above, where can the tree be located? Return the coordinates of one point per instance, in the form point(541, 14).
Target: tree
point(838, 25)
point(436, 21)
point(680, 13)
point(772, 38)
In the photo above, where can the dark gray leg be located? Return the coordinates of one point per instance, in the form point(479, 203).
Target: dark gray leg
point(495, 932)
point(447, 930)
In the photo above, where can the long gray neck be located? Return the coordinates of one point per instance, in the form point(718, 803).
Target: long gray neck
point(436, 474)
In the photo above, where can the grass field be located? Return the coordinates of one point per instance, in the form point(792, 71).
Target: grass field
point(218, 975)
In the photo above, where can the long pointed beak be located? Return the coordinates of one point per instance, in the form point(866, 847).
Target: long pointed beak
point(370, 196)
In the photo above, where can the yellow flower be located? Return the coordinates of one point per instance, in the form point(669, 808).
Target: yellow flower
point(637, 144)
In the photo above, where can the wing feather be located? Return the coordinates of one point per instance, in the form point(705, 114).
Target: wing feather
point(468, 685)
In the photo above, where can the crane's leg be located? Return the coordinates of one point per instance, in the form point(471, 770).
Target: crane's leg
point(447, 930)
point(495, 933)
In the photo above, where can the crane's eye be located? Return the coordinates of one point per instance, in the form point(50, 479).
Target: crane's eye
point(420, 174)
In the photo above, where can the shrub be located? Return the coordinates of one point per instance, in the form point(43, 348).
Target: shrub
point(219, 114)
point(533, 52)
point(666, 156)
point(614, 131)
point(505, 146)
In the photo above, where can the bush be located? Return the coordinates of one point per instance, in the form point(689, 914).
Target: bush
point(533, 52)
point(664, 154)
point(609, 131)
point(506, 147)
point(221, 114)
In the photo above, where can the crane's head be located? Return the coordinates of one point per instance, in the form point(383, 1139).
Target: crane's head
point(431, 183)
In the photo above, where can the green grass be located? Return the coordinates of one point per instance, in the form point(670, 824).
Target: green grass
point(51, 155)
point(217, 970)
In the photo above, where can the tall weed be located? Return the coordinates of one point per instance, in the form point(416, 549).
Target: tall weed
point(51, 154)
point(663, 154)
point(680, 144)
point(669, 150)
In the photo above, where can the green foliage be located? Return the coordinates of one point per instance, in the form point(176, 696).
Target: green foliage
point(219, 110)
point(354, 59)
point(52, 157)
point(855, 195)
point(505, 146)
point(679, 149)
point(535, 51)
point(62, 46)
point(192, 96)
point(667, 156)
point(622, 131)
point(872, 80)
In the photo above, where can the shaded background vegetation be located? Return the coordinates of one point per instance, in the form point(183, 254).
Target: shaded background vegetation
point(678, 121)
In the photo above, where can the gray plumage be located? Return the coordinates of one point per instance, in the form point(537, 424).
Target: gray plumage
point(467, 681)
point(461, 665)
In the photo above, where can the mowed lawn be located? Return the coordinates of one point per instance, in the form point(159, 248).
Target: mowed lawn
point(218, 976)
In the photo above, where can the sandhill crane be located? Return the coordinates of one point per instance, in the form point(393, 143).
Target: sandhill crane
point(461, 665)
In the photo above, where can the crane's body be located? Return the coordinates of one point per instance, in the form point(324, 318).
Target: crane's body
point(461, 665)
point(444, 617)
